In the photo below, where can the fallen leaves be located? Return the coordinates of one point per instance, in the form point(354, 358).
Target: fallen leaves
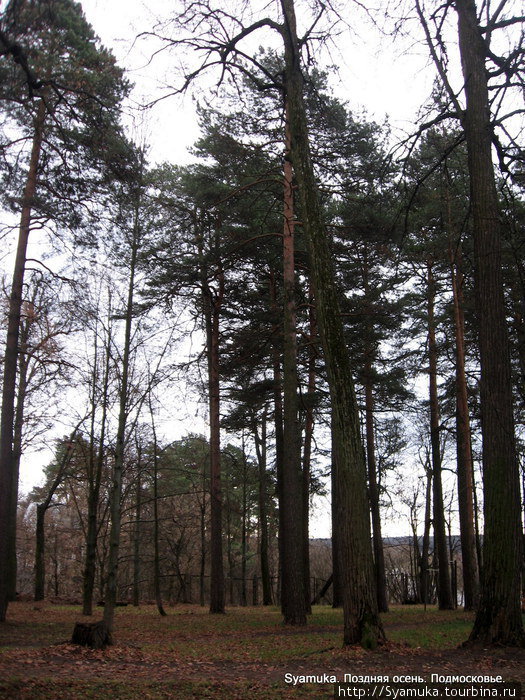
point(244, 653)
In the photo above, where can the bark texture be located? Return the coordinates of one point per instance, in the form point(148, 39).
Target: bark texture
point(156, 549)
point(293, 597)
point(7, 417)
point(373, 492)
point(373, 476)
point(498, 619)
point(260, 447)
point(118, 464)
point(212, 302)
point(307, 448)
point(23, 381)
point(465, 473)
point(94, 635)
point(94, 473)
point(440, 537)
point(361, 619)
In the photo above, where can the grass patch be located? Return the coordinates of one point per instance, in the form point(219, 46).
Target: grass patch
point(252, 633)
point(192, 654)
point(427, 629)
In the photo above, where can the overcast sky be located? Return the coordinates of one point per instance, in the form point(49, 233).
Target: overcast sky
point(376, 74)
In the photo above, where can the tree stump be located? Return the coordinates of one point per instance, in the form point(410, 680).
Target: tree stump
point(94, 635)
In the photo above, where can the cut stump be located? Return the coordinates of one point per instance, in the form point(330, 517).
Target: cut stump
point(94, 635)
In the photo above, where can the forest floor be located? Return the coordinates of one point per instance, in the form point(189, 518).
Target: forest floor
point(246, 653)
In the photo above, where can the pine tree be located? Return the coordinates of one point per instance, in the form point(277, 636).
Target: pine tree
point(71, 111)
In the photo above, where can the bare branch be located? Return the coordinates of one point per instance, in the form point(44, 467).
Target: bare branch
point(504, 23)
point(437, 61)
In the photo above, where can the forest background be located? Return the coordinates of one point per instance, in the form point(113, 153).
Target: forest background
point(146, 280)
point(389, 91)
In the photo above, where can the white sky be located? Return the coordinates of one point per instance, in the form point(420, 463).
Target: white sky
point(384, 77)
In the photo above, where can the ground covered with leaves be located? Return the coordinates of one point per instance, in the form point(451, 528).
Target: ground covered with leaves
point(246, 653)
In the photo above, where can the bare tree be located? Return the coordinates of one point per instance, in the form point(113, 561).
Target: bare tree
point(46, 120)
point(67, 449)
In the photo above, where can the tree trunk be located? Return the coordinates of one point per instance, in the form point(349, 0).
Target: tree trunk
point(415, 558)
point(40, 564)
point(324, 590)
point(110, 598)
point(95, 466)
point(425, 547)
point(440, 536)
point(293, 602)
point(7, 418)
point(244, 533)
point(156, 553)
point(229, 541)
point(56, 577)
point(260, 449)
point(91, 552)
point(373, 486)
point(465, 467)
point(337, 584)
point(202, 561)
point(23, 365)
point(361, 619)
point(518, 316)
point(212, 302)
point(278, 409)
point(94, 635)
point(307, 448)
point(498, 619)
point(373, 491)
point(136, 541)
point(41, 510)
